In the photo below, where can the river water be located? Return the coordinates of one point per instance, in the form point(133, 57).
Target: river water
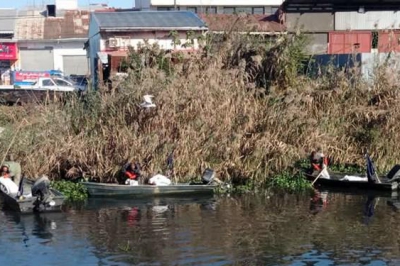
point(245, 230)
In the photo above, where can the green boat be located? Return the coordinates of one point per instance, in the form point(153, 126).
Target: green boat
point(208, 185)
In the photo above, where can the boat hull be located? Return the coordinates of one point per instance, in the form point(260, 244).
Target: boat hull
point(116, 190)
point(27, 204)
point(345, 184)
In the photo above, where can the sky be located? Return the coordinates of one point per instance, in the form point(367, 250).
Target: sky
point(21, 3)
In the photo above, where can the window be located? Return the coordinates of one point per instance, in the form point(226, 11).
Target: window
point(211, 10)
point(258, 10)
point(246, 10)
point(165, 8)
point(192, 9)
point(61, 82)
point(48, 82)
point(375, 38)
point(229, 10)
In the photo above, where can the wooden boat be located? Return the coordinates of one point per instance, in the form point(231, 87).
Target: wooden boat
point(37, 196)
point(116, 190)
point(335, 181)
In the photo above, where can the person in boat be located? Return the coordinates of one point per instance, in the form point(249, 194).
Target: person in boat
point(5, 171)
point(14, 171)
point(318, 160)
point(319, 164)
point(131, 172)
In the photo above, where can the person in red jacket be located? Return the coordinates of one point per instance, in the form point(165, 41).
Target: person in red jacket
point(131, 171)
point(318, 160)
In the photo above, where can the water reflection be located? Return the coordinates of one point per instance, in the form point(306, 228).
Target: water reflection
point(327, 229)
point(370, 205)
point(318, 202)
point(40, 226)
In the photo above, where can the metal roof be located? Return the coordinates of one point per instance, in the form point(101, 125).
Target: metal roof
point(148, 19)
point(7, 20)
point(73, 25)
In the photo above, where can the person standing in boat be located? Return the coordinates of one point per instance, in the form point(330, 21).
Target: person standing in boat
point(318, 160)
point(319, 163)
point(131, 171)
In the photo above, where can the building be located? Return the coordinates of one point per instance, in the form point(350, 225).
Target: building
point(268, 25)
point(52, 39)
point(112, 33)
point(346, 26)
point(259, 7)
point(8, 46)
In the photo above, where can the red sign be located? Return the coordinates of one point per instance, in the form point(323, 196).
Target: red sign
point(30, 75)
point(8, 51)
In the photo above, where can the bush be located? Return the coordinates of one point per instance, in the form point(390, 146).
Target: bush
point(71, 190)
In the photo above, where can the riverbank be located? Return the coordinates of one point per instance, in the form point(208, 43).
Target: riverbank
point(244, 111)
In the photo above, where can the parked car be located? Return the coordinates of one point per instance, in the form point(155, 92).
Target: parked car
point(53, 84)
point(81, 81)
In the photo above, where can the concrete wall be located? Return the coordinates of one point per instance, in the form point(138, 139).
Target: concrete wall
point(318, 43)
point(310, 22)
point(161, 37)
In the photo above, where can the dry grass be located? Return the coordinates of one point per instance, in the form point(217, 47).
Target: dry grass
point(208, 111)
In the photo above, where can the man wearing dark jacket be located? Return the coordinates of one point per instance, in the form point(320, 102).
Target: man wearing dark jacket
point(131, 171)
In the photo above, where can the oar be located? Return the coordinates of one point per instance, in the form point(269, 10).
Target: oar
point(320, 173)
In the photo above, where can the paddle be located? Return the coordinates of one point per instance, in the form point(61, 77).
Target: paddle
point(320, 173)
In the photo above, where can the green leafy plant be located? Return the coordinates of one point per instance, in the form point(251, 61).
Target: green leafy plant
point(176, 41)
point(290, 182)
point(72, 191)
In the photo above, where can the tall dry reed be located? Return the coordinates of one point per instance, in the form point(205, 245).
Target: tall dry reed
point(245, 109)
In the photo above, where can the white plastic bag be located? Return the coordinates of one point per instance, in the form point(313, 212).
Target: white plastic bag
point(160, 180)
point(354, 178)
point(131, 182)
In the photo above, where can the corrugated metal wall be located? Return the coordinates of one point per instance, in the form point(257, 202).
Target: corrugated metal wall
point(389, 41)
point(349, 42)
point(368, 21)
point(318, 43)
point(39, 60)
point(75, 64)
